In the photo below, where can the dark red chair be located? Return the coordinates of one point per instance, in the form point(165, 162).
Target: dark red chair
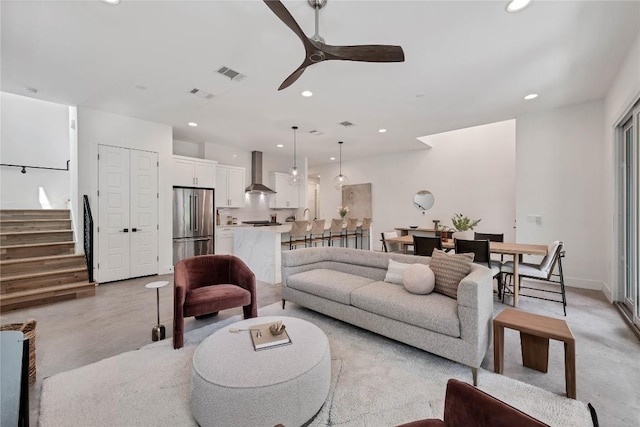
point(467, 406)
point(206, 284)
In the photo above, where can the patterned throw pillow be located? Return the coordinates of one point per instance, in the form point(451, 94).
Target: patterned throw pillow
point(449, 271)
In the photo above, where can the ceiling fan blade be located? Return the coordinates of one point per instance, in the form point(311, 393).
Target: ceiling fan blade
point(281, 12)
point(295, 75)
point(366, 53)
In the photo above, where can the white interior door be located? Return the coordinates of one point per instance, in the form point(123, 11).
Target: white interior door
point(128, 213)
point(113, 209)
point(144, 213)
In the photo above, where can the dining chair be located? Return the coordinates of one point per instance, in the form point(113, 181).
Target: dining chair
point(365, 230)
point(351, 231)
point(541, 272)
point(316, 235)
point(298, 234)
point(390, 247)
point(424, 246)
point(482, 255)
point(492, 237)
point(335, 232)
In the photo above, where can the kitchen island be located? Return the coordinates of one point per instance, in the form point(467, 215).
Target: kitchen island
point(260, 248)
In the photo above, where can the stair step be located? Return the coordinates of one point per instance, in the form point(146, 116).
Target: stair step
point(34, 225)
point(45, 263)
point(36, 250)
point(46, 295)
point(8, 214)
point(33, 281)
point(31, 237)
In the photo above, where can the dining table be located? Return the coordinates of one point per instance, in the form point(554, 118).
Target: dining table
point(516, 250)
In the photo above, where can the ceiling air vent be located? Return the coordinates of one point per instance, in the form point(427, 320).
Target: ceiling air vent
point(232, 74)
point(201, 93)
point(346, 124)
point(316, 132)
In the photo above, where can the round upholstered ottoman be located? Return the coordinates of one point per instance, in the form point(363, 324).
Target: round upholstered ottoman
point(234, 385)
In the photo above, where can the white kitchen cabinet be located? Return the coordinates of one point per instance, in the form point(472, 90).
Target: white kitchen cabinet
point(224, 241)
point(230, 186)
point(286, 195)
point(190, 172)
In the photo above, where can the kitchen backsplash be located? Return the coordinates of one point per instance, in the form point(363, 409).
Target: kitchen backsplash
point(256, 208)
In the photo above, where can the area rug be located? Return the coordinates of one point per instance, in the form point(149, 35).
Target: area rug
point(375, 382)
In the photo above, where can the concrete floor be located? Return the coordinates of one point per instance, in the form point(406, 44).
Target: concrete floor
point(119, 318)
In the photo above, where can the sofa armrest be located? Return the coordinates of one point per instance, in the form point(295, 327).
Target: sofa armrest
point(476, 289)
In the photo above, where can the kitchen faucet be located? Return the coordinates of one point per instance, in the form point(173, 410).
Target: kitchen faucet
point(304, 213)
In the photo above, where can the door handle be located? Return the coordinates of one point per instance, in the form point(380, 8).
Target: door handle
point(125, 230)
point(195, 213)
point(133, 230)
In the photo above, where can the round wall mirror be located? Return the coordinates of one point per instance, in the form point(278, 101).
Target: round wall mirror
point(423, 200)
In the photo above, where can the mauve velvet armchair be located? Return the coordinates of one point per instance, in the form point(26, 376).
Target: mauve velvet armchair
point(206, 284)
point(467, 406)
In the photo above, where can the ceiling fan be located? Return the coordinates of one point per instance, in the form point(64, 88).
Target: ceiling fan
point(317, 51)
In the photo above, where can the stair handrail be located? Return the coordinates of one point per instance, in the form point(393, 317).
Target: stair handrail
point(88, 236)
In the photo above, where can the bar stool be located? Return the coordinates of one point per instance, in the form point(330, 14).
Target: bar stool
point(351, 231)
point(335, 232)
point(317, 232)
point(365, 229)
point(298, 234)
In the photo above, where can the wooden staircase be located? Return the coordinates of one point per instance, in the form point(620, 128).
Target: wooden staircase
point(37, 260)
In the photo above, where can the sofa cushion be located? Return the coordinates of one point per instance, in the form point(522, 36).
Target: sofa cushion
point(395, 272)
point(434, 312)
point(449, 271)
point(329, 284)
point(419, 279)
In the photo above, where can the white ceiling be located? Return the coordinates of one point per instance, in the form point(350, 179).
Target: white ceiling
point(473, 62)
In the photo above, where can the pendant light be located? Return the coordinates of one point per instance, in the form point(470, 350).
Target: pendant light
point(340, 180)
point(294, 174)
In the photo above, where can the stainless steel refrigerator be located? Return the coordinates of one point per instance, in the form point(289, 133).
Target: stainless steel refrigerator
point(193, 222)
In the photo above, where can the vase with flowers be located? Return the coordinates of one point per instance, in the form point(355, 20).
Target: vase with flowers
point(343, 211)
point(464, 226)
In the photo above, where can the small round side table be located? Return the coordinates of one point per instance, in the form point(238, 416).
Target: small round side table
point(158, 331)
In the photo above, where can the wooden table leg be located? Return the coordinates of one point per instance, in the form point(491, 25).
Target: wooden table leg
point(498, 348)
point(516, 280)
point(570, 368)
point(535, 352)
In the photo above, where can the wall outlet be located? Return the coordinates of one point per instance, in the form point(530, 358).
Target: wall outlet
point(170, 268)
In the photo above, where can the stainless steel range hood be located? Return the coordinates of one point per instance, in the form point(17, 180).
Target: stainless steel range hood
point(256, 185)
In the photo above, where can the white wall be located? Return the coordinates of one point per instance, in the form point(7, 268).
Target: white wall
point(34, 133)
point(622, 94)
point(97, 127)
point(469, 171)
point(560, 176)
point(188, 149)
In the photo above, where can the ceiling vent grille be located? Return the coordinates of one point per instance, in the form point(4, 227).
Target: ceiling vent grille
point(316, 132)
point(232, 74)
point(201, 93)
point(346, 124)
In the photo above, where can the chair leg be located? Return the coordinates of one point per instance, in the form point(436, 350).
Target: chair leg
point(474, 373)
point(564, 296)
point(283, 301)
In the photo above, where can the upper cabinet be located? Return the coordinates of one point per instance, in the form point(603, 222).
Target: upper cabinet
point(230, 186)
point(286, 195)
point(190, 172)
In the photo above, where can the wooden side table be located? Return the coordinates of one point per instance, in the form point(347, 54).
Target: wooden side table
point(535, 332)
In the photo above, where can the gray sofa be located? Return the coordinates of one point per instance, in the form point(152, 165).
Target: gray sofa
point(347, 284)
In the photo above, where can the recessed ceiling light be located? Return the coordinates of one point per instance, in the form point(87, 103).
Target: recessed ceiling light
point(111, 1)
point(193, 124)
point(332, 158)
point(280, 145)
point(517, 5)
point(419, 95)
point(382, 130)
point(235, 155)
point(31, 89)
point(307, 93)
point(318, 176)
point(531, 96)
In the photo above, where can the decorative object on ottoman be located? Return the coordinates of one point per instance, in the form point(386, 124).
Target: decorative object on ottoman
point(467, 406)
point(206, 284)
point(28, 329)
point(233, 385)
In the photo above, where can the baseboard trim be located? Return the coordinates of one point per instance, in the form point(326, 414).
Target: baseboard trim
point(627, 317)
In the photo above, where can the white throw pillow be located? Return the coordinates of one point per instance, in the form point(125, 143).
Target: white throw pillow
point(395, 272)
point(419, 279)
